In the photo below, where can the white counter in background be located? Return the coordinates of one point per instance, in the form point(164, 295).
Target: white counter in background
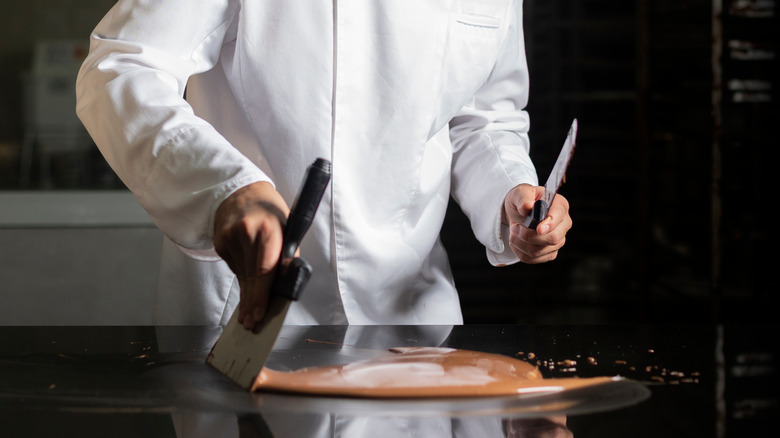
point(76, 258)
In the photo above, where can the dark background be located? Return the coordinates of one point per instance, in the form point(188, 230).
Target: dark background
point(669, 187)
point(670, 183)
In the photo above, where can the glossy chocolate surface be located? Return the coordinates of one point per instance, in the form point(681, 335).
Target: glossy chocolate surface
point(422, 372)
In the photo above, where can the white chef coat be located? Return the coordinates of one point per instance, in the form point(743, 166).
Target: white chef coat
point(412, 101)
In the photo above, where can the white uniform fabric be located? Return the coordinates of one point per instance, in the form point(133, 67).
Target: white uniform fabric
point(411, 102)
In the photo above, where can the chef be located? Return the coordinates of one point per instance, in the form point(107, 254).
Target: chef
point(211, 110)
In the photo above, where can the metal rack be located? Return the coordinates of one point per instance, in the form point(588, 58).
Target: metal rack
point(746, 114)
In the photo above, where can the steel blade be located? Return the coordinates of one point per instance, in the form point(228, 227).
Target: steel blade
point(561, 164)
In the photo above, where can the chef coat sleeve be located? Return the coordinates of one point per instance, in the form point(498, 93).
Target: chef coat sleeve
point(130, 98)
point(490, 143)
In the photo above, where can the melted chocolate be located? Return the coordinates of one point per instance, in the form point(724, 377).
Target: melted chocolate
point(420, 372)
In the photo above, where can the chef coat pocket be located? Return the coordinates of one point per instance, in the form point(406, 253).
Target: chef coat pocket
point(481, 18)
point(476, 32)
point(478, 21)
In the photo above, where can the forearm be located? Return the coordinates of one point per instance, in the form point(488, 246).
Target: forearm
point(130, 99)
point(491, 145)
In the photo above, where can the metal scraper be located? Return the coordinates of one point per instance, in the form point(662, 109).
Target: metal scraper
point(240, 354)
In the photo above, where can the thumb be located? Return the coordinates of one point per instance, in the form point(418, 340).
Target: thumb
point(520, 201)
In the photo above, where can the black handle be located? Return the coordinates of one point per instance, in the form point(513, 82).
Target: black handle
point(538, 214)
point(305, 205)
point(290, 281)
point(295, 272)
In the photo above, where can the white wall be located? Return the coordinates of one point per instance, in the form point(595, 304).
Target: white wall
point(76, 258)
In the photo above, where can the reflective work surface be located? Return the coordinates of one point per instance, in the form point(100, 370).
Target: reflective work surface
point(152, 381)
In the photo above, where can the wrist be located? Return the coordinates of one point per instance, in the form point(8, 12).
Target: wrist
point(261, 194)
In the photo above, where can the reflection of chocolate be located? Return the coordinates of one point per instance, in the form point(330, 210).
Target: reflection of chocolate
point(420, 372)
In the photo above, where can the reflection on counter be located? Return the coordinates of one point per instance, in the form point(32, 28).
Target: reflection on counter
point(147, 381)
point(332, 426)
point(230, 425)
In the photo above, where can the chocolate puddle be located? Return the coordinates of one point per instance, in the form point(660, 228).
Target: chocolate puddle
point(419, 372)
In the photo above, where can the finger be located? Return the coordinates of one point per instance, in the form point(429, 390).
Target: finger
point(527, 198)
point(556, 215)
point(233, 255)
point(533, 254)
point(258, 293)
point(531, 247)
point(553, 232)
point(519, 202)
point(266, 259)
point(228, 252)
point(248, 261)
point(521, 235)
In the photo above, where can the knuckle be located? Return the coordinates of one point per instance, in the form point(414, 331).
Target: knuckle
point(557, 237)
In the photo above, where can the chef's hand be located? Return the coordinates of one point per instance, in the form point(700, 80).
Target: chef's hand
point(542, 244)
point(248, 236)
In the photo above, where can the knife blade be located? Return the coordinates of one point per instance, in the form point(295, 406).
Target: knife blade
point(558, 173)
point(240, 354)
